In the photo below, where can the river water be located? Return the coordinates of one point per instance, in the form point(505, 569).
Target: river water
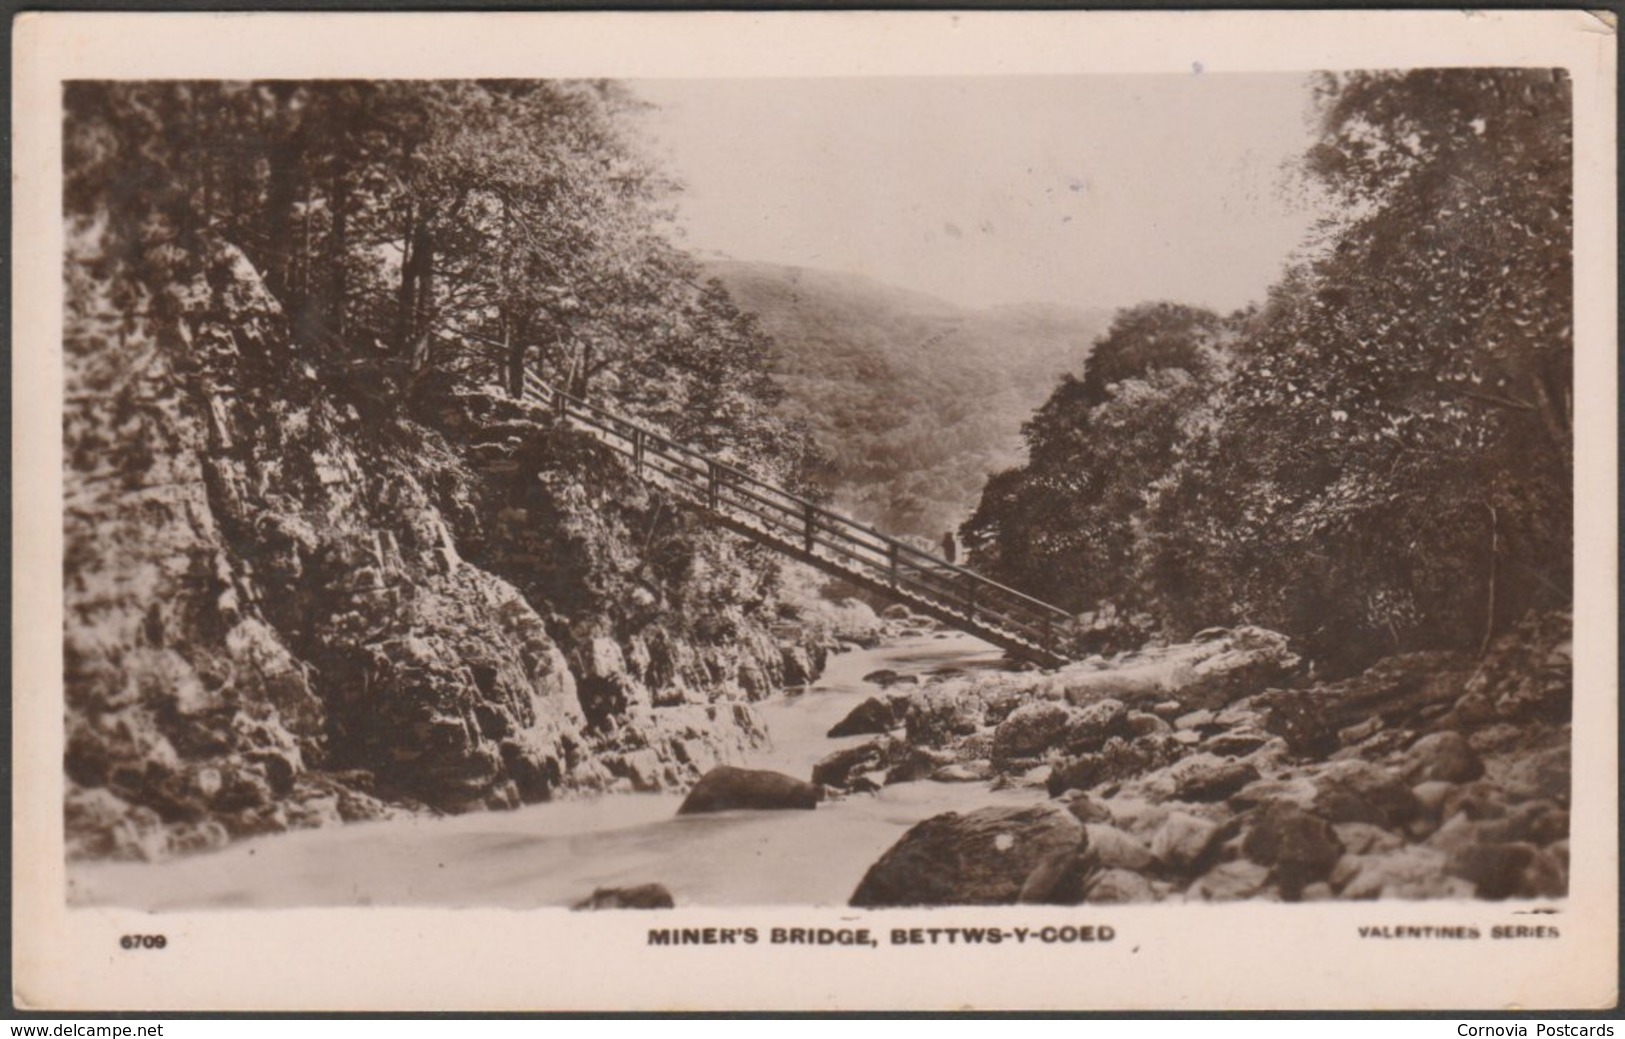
point(556, 853)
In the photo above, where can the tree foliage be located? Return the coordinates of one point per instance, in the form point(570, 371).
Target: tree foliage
point(1381, 458)
point(448, 233)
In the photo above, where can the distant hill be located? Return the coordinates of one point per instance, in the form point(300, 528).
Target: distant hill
point(916, 400)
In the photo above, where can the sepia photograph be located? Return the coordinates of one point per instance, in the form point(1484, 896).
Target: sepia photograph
point(828, 515)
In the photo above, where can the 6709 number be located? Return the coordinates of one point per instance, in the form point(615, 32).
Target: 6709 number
point(143, 941)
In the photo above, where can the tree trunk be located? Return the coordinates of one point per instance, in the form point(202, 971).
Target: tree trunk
point(338, 286)
point(513, 348)
point(282, 157)
point(406, 303)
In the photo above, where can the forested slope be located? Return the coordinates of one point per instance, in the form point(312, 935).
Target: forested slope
point(914, 401)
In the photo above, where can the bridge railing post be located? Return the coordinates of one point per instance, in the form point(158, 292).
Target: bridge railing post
point(891, 562)
point(637, 450)
point(713, 485)
point(970, 597)
point(809, 527)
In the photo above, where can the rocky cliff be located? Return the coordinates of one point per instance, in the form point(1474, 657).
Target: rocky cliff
point(301, 592)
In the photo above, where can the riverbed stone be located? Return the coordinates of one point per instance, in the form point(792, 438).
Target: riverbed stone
point(1301, 847)
point(1411, 872)
point(938, 715)
point(640, 896)
point(1181, 839)
point(838, 768)
point(1207, 777)
point(1230, 882)
point(979, 858)
point(1445, 756)
point(1112, 848)
point(1117, 886)
point(1030, 731)
point(725, 788)
point(873, 716)
point(1516, 870)
point(1361, 792)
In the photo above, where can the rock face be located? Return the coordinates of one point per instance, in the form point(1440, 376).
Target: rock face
point(297, 595)
point(981, 858)
point(725, 788)
point(1218, 668)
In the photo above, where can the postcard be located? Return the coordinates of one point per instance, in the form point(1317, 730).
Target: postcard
point(815, 511)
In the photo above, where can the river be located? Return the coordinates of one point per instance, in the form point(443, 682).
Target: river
point(555, 853)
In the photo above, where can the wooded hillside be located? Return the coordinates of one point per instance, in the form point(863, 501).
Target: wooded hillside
point(914, 401)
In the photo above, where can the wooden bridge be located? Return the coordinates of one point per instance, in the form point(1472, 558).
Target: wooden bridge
point(835, 544)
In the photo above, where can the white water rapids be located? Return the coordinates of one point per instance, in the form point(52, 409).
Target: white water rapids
point(556, 853)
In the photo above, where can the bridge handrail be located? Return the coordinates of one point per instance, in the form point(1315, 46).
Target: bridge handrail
point(550, 395)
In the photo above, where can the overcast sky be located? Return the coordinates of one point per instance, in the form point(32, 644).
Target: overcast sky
point(1088, 190)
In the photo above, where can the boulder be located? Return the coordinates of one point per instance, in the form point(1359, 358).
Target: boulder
point(1442, 756)
point(1030, 731)
point(1360, 792)
point(980, 858)
point(1235, 743)
point(1230, 882)
point(1090, 727)
point(1410, 872)
point(726, 787)
point(1117, 887)
point(1547, 774)
point(642, 896)
point(1301, 847)
point(839, 768)
point(1119, 759)
point(965, 772)
point(1393, 691)
point(1143, 723)
point(1365, 839)
point(1058, 879)
point(1113, 849)
point(909, 764)
point(1298, 790)
point(1536, 822)
point(1500, 871)
point(1430, 797)
point(1181, 840)
point(1205, 777)
point(886, 678)
point(1208, 673)
point(1480, 800)
point(873, 716)
point(941, 714)
point(1086, 809)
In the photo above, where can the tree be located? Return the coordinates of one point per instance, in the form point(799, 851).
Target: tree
point(1063, 527)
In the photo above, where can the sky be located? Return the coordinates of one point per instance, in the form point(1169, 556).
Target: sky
point(1079, 190)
